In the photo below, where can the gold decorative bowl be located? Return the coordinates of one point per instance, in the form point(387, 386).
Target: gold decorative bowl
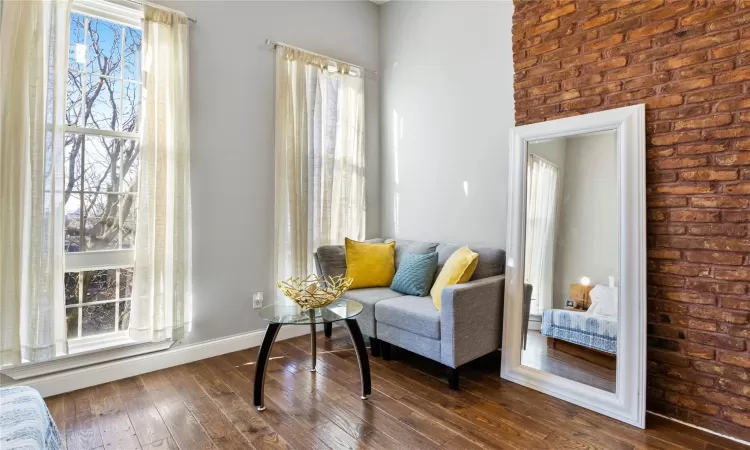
point(313, 291)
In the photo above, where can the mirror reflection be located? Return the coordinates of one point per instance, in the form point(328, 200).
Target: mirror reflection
point(571, 272)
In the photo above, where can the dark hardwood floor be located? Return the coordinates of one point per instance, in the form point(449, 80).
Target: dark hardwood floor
point(539, 356)
point(208, 404)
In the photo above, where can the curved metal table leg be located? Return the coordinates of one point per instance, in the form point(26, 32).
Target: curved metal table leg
point(262, 364)
point(364, 362)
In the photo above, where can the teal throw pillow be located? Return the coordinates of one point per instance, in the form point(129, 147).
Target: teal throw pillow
point(415, 274)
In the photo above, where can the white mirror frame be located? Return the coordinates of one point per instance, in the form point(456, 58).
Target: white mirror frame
point(627, 403)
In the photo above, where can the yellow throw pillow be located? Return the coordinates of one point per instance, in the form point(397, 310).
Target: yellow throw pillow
point(370, 265)
point(458, 269)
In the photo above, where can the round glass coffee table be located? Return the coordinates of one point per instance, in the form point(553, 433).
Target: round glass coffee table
point(278, 315)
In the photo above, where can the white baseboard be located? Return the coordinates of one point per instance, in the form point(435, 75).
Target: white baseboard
point(71, 380)
point(699, 428)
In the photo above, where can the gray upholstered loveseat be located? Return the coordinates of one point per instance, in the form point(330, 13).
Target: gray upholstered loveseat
point(468, 326)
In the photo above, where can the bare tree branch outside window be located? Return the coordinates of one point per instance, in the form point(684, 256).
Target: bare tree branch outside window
point(101, 166)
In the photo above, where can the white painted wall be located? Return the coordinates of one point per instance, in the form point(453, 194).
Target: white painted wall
point(232, 129)
point(587, 236)
point(447, 106)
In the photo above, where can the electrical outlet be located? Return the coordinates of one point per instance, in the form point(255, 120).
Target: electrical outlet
point(258, 300)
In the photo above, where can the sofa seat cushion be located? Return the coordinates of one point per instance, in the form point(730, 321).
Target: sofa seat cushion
point(414, 314)
point(368, 297)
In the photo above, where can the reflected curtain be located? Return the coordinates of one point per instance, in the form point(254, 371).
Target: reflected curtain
point(320, 179)
point(33, 54)
point(162, 286)
point(541, 211)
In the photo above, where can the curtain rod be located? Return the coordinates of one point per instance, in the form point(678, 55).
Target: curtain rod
point(144, 3)
point(281, 44)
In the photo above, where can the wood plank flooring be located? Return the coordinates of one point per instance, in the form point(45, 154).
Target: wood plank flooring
point(208, 404)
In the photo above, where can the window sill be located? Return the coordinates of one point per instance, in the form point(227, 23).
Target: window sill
point(86, 352)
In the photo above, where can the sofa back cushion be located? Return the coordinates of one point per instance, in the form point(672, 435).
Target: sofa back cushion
point(491, 261)
point(404, 246)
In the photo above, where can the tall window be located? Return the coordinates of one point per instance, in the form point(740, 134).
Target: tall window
point(101, 174)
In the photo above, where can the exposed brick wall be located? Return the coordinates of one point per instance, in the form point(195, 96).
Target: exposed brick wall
point(689, 62)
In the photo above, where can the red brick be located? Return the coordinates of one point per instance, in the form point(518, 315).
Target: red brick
point(604, 42)
point(721, 315)
point(692, 403)
point(722, 370)
point(737, 417)
point(700, 351)
point(668, 384)
point(732, 259)
point(658, 228)
point(709, 68)
point(656, 54)
point(723, 133)
point(718, 287)
point(713, 120)
point(733, 105)
point(737, 189)
point(704, 243)
point(736, 216)
point(722, 398)
point(711, 40)
point(714, 94)
point(729, 22)
point(650, 30)
point(735, 359)
point(676, 138)
point(543, 48)
point(635, 71)
point(559, 12)
point(639, 8)
point(681, 163)
point(543, 28)
point(735, 303)
point(666, 202)
point(680, 61)
point(719, 202)
point(734, 76)
point(681, 112)
point(712, 13)
point(663, 254)
point(687, 189)
point(700, 149)
point(692, 376)
point(546, 88)
point(709, 175)
point(735, 387)
point(735, 274)
point(598, 21)
point(606, 88)
point(701, 298)
point(717, 340)
point(731, 50)
point(717, 229)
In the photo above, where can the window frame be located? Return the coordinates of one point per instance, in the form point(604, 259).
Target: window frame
point(84, 261)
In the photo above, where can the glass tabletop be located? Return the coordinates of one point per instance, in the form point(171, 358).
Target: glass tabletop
point(294, 315)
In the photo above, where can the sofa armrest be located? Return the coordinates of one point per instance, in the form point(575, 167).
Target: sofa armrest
point(471, 320)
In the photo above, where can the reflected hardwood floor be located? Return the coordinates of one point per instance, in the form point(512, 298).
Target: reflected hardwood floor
point(539, 356)
point(208, 404)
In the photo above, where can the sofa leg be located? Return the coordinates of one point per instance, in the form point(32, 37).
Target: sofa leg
point(375, 347)
point(453, 378)
point(385, 350)
point(328, 328)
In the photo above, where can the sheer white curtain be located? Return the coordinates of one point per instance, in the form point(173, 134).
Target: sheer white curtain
point(541, 211)
point(162, 287)
point(320, 180)
point(33, 53)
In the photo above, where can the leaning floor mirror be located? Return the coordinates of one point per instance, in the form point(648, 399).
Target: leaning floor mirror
point(575, 308)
